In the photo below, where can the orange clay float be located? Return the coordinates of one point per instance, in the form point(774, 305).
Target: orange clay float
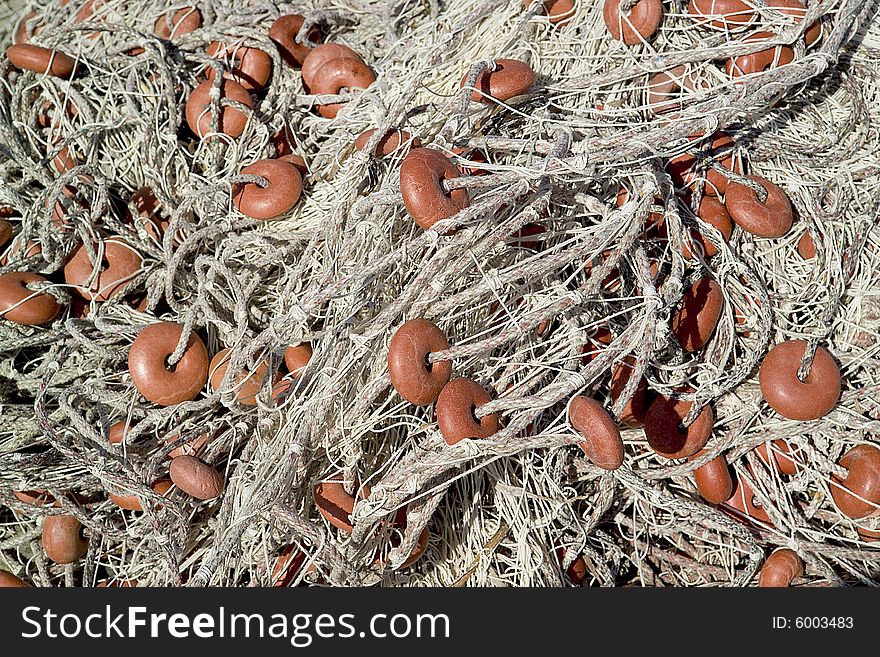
point(246, 385)
point(684, 168)
point(781, 568)
point(413, 377)
point(603, 444)
point(336, 75)
point(150, 373)
point(119, 264)
point(278, 196)
point(283, 33)
point(763, 60)
point(506, 79)
point(62, 539)
point(22, 305)
point(196, 478)
point(173, 25)
point(713, 479)
point(698, 314)
point(637, 24)
point(557, 11)
point(421, 175)
point(198, 109)
point(667, 436)
point(455, 411)
point(41, 60)
point(810, 399)
point(390, 142)
point(250, 67)
point(771, 217)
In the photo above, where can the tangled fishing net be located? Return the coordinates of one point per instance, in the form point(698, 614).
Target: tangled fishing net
point(546, 285)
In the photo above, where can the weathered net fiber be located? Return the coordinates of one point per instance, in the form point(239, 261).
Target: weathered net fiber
point(348, 265)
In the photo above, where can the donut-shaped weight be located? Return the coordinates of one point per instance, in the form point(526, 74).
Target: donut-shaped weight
point(806, 247)
point(698, 314)
point(663, 89)
point(278, 197)
point(117, 431)
point(246, 385)
point(296, 357)
point(577, 572)
point(147, 364)
point(196, 478)
point(335, 504)
point(287, 566)
point(283, 32)
point(599, 337)
point(866, 533)
point(192, 447)
point(62, 539)
point(796, 10)
point(133, 502)
point(119, 264)
point(713, 479)
point(758, 62)
point(770, 218)
point(41, 60)
point(742, 502)
point(558, 11)
point(684, 168)
point(780, 569)
point(388, 144)
point(38, 497)
point(198, 109)
point(858, 495)
point(464, 157)
point(667, 436)
point(713, 212)
point(5, 231)
point(639, 24)
point(250, 67)
point(603, 444)
point(634, 411)
point(297, 161)
point(64, 160)
point(172, 25)
point(413, 377)
point(24, 306)
point(792, 398)
point(507, 79)
point(421, 175)
point(777, 457)
point(17, 251)
point(455, 411)
point(10, 581)
point(336, 75)
point(721, 14)
point(322, 54)
point(284, 142)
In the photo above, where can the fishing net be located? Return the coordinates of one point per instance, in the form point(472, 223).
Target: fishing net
point(563, 277)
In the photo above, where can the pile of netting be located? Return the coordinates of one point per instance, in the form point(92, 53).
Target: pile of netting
point(603, 225)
